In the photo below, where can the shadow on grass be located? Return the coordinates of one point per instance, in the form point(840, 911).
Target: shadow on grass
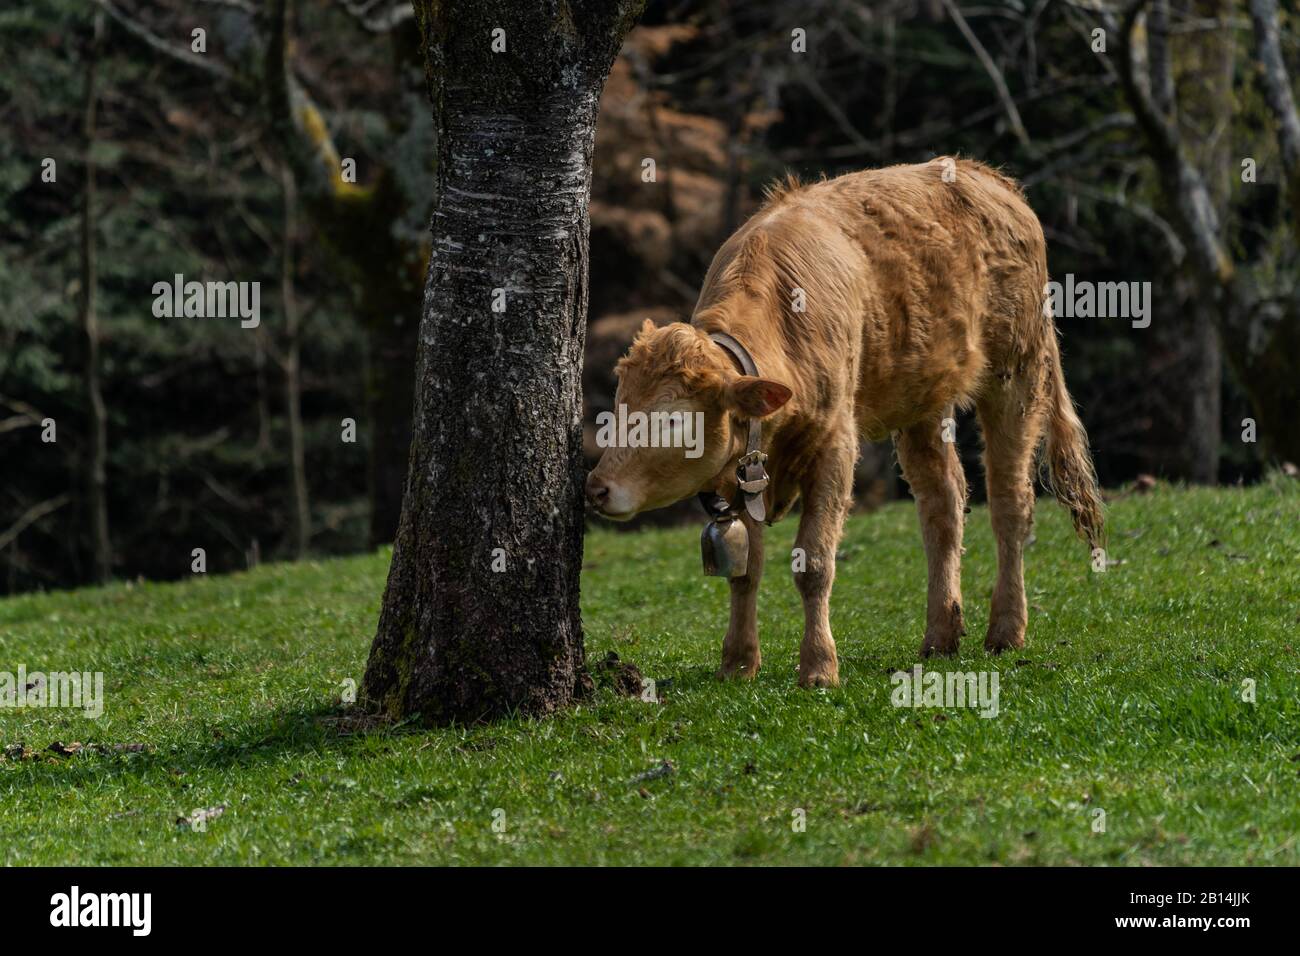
point(307, 729)
point(319, 729)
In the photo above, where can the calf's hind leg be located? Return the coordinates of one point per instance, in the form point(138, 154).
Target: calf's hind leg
point(1011, 436)
point(933, 471)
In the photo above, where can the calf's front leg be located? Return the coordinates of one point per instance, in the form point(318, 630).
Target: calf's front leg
point(741, 657)
point(826, 497)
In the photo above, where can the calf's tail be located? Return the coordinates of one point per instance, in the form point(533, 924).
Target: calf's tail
point(1070, 472)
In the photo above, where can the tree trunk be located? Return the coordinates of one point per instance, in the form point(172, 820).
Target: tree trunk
point(1263, 354)
point(97, 431)
point(1202, 384)
point(381, 268)
point(1268, 364)
point(300, 529)
point(390, 371)
point(1208, 110)
point(481, 615)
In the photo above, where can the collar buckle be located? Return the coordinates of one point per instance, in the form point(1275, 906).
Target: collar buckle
point(751, 477)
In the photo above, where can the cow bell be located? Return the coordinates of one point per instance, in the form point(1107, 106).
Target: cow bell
point(724, 545)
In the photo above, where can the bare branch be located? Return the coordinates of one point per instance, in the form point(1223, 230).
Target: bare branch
point(155, 42)
point(243, 6)
point(382, 22)
point(931, 132)
point(31, 516)
point(14, 422)
point(1181, 181)
point(1158, 59)
point(22, 408)
point(297, 122)
point(833, 110)
point(1137, 87)
point(999, 82)
point(1277, 93)
point(1074, 138)
point(1177, 250)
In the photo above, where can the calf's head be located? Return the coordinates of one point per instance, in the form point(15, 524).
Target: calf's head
point(678, 419)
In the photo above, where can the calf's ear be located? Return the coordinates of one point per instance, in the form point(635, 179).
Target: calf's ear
point(756, 397)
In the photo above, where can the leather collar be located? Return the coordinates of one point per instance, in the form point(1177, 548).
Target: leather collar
point(751, 476)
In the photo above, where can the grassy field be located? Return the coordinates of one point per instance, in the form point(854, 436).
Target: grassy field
point(1128, 698)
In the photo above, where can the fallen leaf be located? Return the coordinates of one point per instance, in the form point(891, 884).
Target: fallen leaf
point(200, 817)
point(665, 769)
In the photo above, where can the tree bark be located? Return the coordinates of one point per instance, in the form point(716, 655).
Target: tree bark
point(96, 455)
point(481, 616)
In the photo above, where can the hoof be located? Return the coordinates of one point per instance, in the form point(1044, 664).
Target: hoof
point(738, 670)
point(1004, 636)
point(939, 646)
point(819, 677)
point(943, 639)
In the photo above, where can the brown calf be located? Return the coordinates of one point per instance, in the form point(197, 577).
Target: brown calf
point(873, 304)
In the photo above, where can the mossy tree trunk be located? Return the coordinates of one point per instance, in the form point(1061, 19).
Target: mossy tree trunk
point(1265, 353)
point(96, 443)
point(1258, 316)
point(385, 269)
point(480, 616)
point(1205, 97)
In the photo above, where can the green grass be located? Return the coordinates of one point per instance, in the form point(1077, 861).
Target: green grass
point(1127, 697)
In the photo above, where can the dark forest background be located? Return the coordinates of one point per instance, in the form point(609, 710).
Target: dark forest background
point(1162, 157)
